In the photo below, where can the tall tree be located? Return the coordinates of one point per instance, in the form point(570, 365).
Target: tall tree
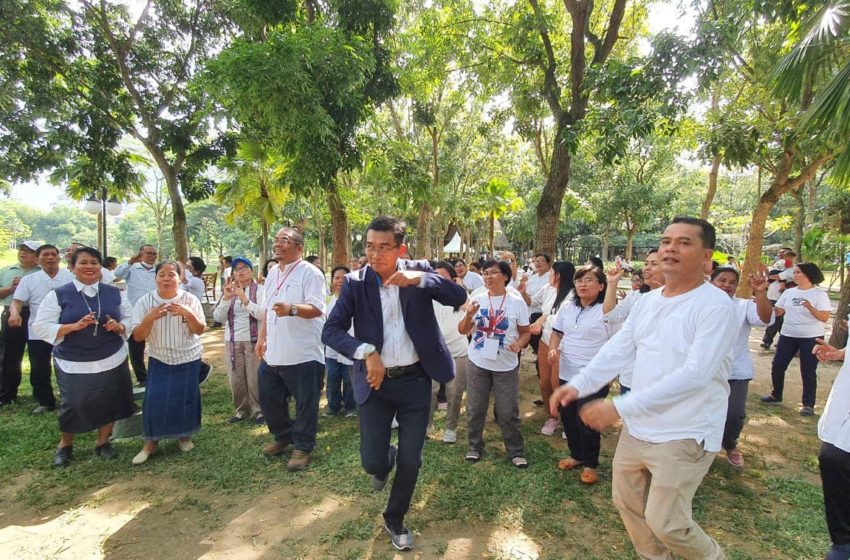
point(91, 72)
point(302, 78)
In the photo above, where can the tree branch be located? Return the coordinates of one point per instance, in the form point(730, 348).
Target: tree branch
point(612, 33)
point(551, 90)
point(131, 38)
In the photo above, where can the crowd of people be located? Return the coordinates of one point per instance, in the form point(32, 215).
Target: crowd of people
point(385, 335)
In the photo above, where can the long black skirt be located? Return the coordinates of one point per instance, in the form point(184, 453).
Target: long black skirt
point(88, 401)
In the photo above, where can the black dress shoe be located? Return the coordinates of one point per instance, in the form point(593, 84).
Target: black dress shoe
point(62, 457)
point(106, 451)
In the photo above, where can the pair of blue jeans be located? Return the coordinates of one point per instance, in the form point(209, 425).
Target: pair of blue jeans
point(339, 391)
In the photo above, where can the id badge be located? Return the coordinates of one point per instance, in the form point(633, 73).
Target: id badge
point(491, 348)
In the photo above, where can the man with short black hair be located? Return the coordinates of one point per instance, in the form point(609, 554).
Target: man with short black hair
point(28, 296)
point(13, 341)
point(469, 279)
point(140, 276)
point(677, 340)
point(290, 343)
point(397, 350)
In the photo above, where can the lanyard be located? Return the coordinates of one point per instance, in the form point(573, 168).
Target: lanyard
point(494, 318)
point(291, 270)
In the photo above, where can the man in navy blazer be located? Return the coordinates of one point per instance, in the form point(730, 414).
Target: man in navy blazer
point(397, 350)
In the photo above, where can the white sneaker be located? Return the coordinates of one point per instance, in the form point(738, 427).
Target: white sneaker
point(564, 435)
point(186, 445)
point(395, 423)
point(141, 457)
point(549, 426)
point(449, 436)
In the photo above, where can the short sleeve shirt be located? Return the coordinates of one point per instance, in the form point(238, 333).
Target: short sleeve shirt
point(798, 321)
point(497, 319)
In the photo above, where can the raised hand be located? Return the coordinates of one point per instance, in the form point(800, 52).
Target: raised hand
point(404, 278)
point(614, 274)
point(229, 289)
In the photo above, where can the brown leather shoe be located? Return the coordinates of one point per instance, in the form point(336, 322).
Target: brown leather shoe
point(298, 461)
point(275, 448)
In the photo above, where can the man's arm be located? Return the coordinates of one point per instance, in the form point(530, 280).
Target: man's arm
point(123, 271)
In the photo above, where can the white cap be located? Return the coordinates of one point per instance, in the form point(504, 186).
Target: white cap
point(31, 245)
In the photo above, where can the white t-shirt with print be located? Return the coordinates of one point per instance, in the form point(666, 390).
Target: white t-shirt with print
point(798, 321)
point(497, 319)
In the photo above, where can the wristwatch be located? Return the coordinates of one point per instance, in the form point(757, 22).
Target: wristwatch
point(368, 350)
point(293, 311)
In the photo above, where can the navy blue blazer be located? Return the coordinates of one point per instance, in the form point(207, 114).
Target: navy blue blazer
point(360, 301)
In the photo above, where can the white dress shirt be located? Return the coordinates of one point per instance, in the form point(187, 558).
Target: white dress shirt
point(533, 286)
point(679, 349)
point(294, 340)
point(33, 288)
point(47, 325)
point(330, 352)
point(195, 286)
point(834, 423)
point(140, 279)
point(241, 323)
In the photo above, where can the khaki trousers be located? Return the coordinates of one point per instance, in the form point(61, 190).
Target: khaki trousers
point(653, 488)
point(244, 380)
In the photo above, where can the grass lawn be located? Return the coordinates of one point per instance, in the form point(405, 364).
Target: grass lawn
point(225, 500)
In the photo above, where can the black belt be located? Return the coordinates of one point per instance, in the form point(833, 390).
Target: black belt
point(404, 371)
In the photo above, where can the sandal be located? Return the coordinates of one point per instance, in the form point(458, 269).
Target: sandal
point(568, 464)
point(519, 462)
point(473, 456)
point(589, 476)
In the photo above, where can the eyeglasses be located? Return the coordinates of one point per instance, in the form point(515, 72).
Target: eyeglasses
point(285, 240)
point(380, 249)
point(587, 280)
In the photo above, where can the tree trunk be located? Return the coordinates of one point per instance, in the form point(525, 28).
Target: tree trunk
point(799, 219)
point(492, 233)
point(712, 187)
point(264, 241)
point(423, 232)
point(549, 207)
point(606, 241)
point(179, 230)
point(339, 225)
point(838, 338)
point(811, 199)
point(630, 237)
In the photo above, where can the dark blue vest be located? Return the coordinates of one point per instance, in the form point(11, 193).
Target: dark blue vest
point(85, 345)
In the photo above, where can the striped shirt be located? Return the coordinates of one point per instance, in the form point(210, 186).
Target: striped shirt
point(170, 340)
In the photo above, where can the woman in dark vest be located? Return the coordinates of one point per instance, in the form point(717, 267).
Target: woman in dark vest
point(239, 312)
point(88, 323)
point(171, 321)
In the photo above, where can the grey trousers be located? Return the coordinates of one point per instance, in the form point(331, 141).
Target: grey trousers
point(736, 414)
point(454, 394)
point(242, 368)
point(505, 388)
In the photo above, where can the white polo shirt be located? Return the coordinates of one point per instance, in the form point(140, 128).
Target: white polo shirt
point(294, 340)
point(34, 287)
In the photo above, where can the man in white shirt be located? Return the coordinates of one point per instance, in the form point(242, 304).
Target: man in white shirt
point(535, 283)
point(139, 275)
point(290, 343)
point(677, 340)
point(30, 292)
point(469, 279)
point(192, 282)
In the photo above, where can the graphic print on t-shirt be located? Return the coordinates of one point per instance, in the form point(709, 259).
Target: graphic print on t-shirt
point(487, 327)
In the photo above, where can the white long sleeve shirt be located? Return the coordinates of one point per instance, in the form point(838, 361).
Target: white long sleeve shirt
point(834, 423)
point(241, 314)
point(679, 349)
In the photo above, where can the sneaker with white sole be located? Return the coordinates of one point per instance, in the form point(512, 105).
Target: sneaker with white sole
point(449, 436)
point(402, 540)
point(549, 426)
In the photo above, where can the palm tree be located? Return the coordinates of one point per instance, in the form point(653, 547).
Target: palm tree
point(257, 186)
point(496, 199)
point(823, 52)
